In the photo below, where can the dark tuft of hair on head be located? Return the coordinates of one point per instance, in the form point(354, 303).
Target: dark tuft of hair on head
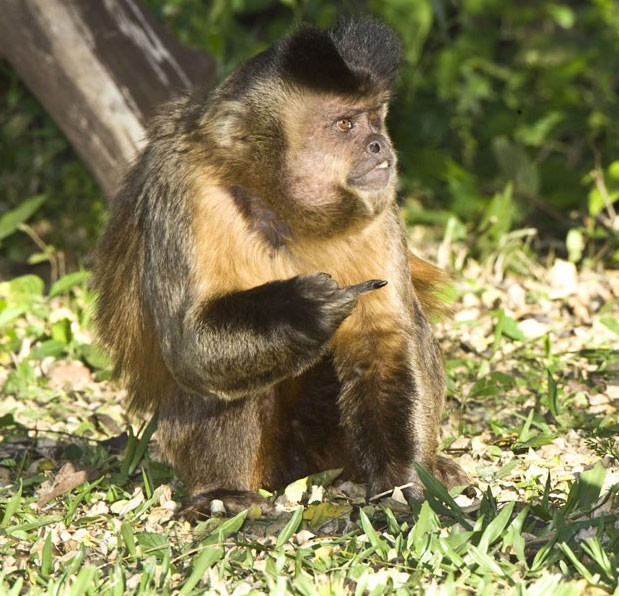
point(354, 57)
point(370, 48)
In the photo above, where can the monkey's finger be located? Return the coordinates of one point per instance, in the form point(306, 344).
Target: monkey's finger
point(366, 286)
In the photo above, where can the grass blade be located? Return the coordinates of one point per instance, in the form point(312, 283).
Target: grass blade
point(290, 528)
point(206, 559)
point(11, 507)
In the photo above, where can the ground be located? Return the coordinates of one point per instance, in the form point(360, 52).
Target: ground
point(531, 415)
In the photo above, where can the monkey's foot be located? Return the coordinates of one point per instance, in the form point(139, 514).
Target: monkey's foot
point(452, 475)
point(447, 471)
point(199, 506)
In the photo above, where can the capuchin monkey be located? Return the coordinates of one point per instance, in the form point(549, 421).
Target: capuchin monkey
point(254, 280)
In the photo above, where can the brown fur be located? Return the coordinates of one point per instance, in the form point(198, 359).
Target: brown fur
point(260, 368)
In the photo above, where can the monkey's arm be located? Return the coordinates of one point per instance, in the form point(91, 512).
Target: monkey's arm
point(247, 340)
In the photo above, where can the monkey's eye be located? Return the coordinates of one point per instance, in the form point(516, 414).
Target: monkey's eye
point(344, 124)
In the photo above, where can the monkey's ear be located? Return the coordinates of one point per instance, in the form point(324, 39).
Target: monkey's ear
point(226, 123)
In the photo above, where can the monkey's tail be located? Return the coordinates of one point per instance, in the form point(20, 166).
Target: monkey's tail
point(431, 286)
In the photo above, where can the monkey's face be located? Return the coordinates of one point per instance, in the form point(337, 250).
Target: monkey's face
point(372, 161)
point(340, 165)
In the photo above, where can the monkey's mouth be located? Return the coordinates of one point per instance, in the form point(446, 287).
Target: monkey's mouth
point(376, 177)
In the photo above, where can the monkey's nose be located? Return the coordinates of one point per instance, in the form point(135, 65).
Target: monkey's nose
point(374, 144)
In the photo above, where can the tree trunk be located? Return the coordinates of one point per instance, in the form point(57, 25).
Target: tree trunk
point(100, 68)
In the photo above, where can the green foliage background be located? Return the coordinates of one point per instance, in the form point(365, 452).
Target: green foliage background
point(502, 105)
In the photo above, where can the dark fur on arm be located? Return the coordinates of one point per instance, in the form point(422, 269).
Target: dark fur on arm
point(249, 340)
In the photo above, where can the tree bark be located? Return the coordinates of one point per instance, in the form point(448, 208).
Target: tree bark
point(100, 68)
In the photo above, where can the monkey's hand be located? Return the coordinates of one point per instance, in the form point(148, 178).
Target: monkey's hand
point(323, 305)
point(248, 340)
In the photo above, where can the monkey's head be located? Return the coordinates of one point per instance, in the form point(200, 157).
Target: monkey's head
point(302, 126)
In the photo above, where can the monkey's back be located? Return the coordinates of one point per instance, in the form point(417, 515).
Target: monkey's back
point(139, 216)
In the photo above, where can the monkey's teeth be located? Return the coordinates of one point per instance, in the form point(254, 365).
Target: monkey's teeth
point(382, 165)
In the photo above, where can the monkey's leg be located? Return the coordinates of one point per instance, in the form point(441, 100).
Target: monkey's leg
point(391, 399)
point(219, 449)
point(430, 382)
point(377, 404)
